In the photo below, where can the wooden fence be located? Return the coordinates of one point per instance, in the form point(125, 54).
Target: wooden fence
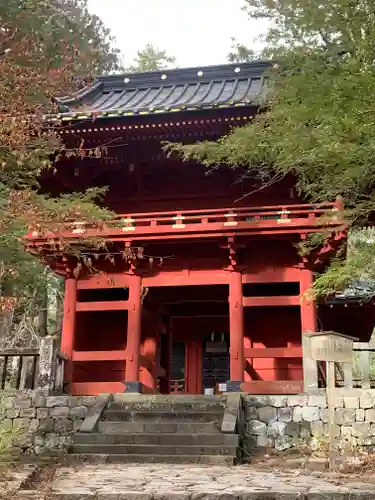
point(34, 368)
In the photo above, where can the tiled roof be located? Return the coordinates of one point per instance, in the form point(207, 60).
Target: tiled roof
point(225, 86)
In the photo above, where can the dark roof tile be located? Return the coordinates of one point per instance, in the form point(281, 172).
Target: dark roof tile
point(170, 90)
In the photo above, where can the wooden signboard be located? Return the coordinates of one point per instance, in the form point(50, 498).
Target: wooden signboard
point(331, 346)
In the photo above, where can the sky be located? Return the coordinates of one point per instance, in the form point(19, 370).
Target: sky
point(196, 32)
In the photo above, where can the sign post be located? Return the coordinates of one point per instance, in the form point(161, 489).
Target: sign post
point(332, 348)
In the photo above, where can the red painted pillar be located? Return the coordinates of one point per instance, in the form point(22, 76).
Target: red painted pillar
point(309, 322)
point(150, 345)
point(69, 326)
point(133, 335)
point(236, 327)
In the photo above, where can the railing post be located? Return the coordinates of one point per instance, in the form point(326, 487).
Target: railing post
point(308, 325)
point(310, 366)
point(364, 363)
point(348, 375)
point(47, 364)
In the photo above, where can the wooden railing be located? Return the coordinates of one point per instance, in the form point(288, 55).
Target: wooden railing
point(256, 386)
point(361, 374)
point(206, 220)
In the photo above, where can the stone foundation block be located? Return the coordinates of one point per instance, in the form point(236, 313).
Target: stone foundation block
point(317, 429)
point(285, 414)
point(59, 412)
point(323, 415)
point(21, 423)
point(344, 416)
point(278, 401)
point(42, 413)
point(305, 431)
point(366, 400)
point(39, 401)
point(22, 403)
point(351, 402)
point(299, 400)
point(361, 429)
point(297, 414)
point(262, 441)
point(257, 428)
point(54, 401)
point(46, 425)
point(62, 425)
point(310, 413)
point(78, 412)
point(6, 424)
point(292, 429)
point(283, 443)
point(88, 401)
point(12, 413)
point(28, 413)
point(370, 415)
point(337, 430)
point(276, 429)
point(346, 431)
point(319, 401)
point(251, 413)
point(360, 415)
point(6, 403)
point(267, 414)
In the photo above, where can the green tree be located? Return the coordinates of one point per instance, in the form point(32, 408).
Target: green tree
point(44, 46)
point(240, 53)
point(151, 59)
point(318, 122)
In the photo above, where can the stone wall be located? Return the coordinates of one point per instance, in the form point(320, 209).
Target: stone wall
point(42, 424)
point(285, 422)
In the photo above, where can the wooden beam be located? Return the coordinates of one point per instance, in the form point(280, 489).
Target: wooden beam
point(104, 280)
point(273, 387)
point(271, 301)
point(99, 355)
point(187, 278)
point(272, 275)
point(115, 305)
point(95, 388)
point(274, 352)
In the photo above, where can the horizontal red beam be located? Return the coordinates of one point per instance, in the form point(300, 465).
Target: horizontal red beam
point(99, 355)
point(115, 305)
point(271, 301)
point(187, 277)
point(95, 388)
point(273, 387)
point(273, 352)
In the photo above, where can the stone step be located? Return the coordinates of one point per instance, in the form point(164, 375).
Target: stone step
point(155, 459)
point(171, 406)
point(152, 450)
point(159, 428)
point(162, 399)
point(157, 439)
point(162, 416)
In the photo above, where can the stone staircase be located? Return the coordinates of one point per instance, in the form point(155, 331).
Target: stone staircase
point(159, 429)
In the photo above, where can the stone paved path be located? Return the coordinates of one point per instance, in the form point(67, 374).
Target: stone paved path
point(175, 482)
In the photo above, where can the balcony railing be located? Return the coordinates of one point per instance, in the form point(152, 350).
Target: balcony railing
point(276, 219)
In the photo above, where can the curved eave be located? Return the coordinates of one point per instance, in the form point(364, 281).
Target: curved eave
point(94, 115)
